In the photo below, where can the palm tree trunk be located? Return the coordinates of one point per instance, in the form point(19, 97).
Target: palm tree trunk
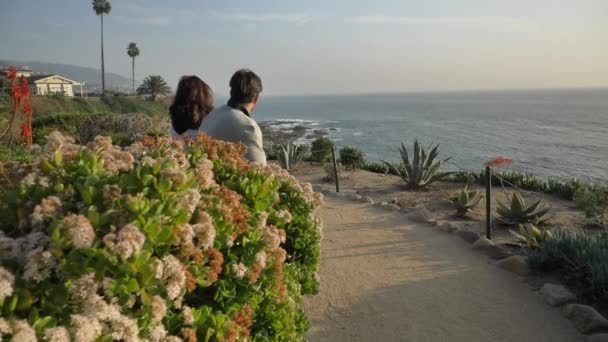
point(133, 73)
point(103, 67)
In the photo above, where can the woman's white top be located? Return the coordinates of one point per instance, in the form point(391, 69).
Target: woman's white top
point(191, 133)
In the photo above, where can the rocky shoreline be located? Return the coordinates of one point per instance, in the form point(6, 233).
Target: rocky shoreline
point(296, 131)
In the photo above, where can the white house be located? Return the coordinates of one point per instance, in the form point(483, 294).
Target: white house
point(24, 71)
point(53, 84)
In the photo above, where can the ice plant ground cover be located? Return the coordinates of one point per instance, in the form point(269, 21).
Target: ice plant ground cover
point(154, 242)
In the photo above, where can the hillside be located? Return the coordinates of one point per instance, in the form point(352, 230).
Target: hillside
point(91, 76)
point(45, 105)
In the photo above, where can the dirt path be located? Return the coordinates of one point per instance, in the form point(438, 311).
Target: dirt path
point(384, 278)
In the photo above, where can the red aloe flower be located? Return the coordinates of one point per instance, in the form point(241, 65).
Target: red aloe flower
point(499, 161)
point(28, 110)
point(12, 73)
point(16, 93)
point(26, 131)
point(25, 88)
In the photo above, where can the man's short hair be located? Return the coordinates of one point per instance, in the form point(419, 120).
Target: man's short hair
point(245, 87)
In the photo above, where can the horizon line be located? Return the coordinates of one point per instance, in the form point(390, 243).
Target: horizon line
point(441, 91)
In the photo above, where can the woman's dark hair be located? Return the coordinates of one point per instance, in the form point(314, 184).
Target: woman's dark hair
point(245, 87)
point(193, 101)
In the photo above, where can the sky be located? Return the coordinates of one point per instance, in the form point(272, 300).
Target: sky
point(326, 46)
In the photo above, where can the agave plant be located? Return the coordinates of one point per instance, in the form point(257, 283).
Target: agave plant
point(423, 169)
point(531, 235)
point(465, 201)
point(290, 155)
point(519, 212)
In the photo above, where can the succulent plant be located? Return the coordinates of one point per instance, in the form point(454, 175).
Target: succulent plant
point(465, 201)
point(290, 155)
point(423, 169)
point(577, 255)
point(531, 235)
point(519, 212)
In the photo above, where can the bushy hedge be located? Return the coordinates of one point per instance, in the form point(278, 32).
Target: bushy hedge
point(123, 128)
point(526, 181)
point(154, 242)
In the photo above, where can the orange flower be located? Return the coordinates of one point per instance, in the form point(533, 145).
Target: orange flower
point(215, 264)
point(499, 161)
point(244, 318)
point(12, 73)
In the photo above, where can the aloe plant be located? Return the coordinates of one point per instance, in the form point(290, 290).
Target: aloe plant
point(423, 169)
point(465, 201)
point(531, 235)
point(290, 155)
point(519, 212)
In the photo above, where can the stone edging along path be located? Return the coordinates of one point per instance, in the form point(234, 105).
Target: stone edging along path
point(585, 318)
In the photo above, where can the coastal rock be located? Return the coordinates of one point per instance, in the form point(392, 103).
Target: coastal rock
point(393, 207)
point(483, 243)
point(491, 249)
point(448, 227)
point(585, 318)
point(368, 199)
point(557, 295)
point(597, 338)
point(355, 197)
point(497, 252)
point(422, 215)
point(516, 264)
point(468, 235)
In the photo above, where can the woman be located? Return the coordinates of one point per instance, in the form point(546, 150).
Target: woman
point(193, 101)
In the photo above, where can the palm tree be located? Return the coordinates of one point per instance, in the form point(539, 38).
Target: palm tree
point(133, 51)
point(154, 86)
point(102, 7)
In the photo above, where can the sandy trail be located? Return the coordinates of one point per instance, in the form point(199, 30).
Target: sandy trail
point(384, 278)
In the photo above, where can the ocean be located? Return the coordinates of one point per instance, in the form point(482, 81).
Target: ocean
point(550, 133)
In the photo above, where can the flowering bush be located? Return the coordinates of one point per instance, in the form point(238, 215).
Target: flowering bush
point(154, 242)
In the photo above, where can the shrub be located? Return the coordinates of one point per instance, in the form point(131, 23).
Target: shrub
point(351, 157)
point(85, 127)
point(524, 181)
point(578, 257)
point(290, 155)
point(330, 175)
point(423, 169)
point(465, 201)
point(320, 149)
point(104, 243)
point(519, 212)
point(594, 202)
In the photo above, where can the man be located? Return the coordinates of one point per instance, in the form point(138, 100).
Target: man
point(233, 122)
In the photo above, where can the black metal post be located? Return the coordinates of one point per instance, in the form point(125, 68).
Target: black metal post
point(333, 157)
point(488, 202)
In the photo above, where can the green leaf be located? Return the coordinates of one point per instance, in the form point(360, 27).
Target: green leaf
point(132, 285)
